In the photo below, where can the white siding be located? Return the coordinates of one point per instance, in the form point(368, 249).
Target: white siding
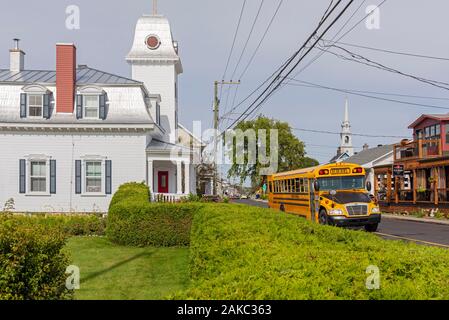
point(161, 79)
point(127, 152)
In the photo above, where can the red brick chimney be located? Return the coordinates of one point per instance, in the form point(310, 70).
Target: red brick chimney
point(65, 77)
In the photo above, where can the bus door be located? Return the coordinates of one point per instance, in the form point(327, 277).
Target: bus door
point(314, 204)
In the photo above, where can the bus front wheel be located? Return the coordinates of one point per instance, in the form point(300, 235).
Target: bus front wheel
point(371, 227)
point(282, 208)
point(323, 217)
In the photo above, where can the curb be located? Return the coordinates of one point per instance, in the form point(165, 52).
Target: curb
point(413, 219)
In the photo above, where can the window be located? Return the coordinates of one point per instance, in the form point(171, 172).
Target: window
point(418, 134)
point(93, 176)
point(446, 126)
point(91, 106)
point(342, 183)
point(35, 105)
point(38, 176)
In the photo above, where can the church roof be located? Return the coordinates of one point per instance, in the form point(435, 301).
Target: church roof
point(84, 75)
point(370, 155)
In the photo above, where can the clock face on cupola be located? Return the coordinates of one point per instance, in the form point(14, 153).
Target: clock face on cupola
point(152, 42)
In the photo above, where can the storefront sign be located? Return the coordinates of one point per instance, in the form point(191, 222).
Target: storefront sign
point(398, 170)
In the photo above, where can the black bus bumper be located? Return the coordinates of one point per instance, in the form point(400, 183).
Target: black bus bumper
point(342, 221)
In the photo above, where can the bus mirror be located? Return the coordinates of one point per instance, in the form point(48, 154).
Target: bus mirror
point(316, 185)
point(333, 193)
point(368, 186)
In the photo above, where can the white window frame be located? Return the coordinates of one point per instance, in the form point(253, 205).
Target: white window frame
point(86, 159)
point(29, 95)
point(30, 160)
point(97, 107)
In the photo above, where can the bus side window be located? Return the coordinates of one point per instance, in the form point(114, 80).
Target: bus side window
point(306, 185)
point(292, 185)
point(297, 185)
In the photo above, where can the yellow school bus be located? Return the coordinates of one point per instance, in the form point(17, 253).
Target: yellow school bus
point(334, 194)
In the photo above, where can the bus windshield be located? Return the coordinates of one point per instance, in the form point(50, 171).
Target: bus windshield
point(342, 183)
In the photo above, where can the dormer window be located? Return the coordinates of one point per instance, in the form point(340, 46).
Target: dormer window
point(91, 103)
point(35, 105)
point(35, 102)
point(91, 107)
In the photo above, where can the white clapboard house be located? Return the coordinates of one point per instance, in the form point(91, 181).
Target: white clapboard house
point(70, 137)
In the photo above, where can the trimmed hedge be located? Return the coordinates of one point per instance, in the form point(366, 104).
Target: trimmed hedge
point(32, 265)
point(69, 224)
point(240, 252)
point(134, 221)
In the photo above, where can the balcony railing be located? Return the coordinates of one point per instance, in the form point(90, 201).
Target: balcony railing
point(421, 149)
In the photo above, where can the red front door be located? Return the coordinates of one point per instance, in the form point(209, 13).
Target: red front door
point(162, 182)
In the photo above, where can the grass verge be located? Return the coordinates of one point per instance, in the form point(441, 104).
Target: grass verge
point(113, 272)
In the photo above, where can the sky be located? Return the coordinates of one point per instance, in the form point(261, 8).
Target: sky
point(205, 31)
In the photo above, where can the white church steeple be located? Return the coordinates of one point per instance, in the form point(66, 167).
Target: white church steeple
point(155, 61)
point(345, 135)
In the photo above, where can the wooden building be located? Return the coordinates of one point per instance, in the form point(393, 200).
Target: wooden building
point(419, 176)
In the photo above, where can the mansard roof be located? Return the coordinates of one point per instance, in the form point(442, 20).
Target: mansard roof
point(84, 76)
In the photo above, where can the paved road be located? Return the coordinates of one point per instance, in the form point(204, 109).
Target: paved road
point(390, 228)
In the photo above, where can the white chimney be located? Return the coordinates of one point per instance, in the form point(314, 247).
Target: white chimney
point(16, 58)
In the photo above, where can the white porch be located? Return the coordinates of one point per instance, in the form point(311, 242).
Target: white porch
point(171, 179)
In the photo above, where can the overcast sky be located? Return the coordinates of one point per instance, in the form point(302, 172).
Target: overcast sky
point(205, 29)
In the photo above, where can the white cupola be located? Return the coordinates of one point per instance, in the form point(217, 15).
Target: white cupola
point(155, 61)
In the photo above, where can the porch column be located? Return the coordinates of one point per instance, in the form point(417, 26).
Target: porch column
point(187, 177)
point(415, 185)
point(388, 186)
point(178, 177)
point(150, 176)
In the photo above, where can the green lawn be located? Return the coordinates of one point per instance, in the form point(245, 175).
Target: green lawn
point(115, 272)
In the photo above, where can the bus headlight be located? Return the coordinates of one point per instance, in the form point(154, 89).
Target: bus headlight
point(336, 212)
point(375, 210)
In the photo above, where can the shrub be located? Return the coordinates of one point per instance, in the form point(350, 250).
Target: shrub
point(69, 224)
point(132, 220)
point(137, 192)
point(240, 252)
point(32, 265)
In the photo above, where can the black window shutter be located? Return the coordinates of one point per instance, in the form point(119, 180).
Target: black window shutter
point(22, 176)
point(79, 106)
point(78, 176)
point(46, 104)
point(102, 106)
point(53, 176)
point(108, 177)
point(23, 105)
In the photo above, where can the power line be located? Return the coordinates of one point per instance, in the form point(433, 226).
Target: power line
point(338, 32)
point(354, 57)
point(347, 91)
point(256, 51)
point(243, 51)
point(262, 39)
point(235, 37)
point(354, 134)
point(267, 96)
point(248, 38)
point(284, 65)
point(389, 51)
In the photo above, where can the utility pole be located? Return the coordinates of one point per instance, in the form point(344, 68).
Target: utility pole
point(216, 123)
